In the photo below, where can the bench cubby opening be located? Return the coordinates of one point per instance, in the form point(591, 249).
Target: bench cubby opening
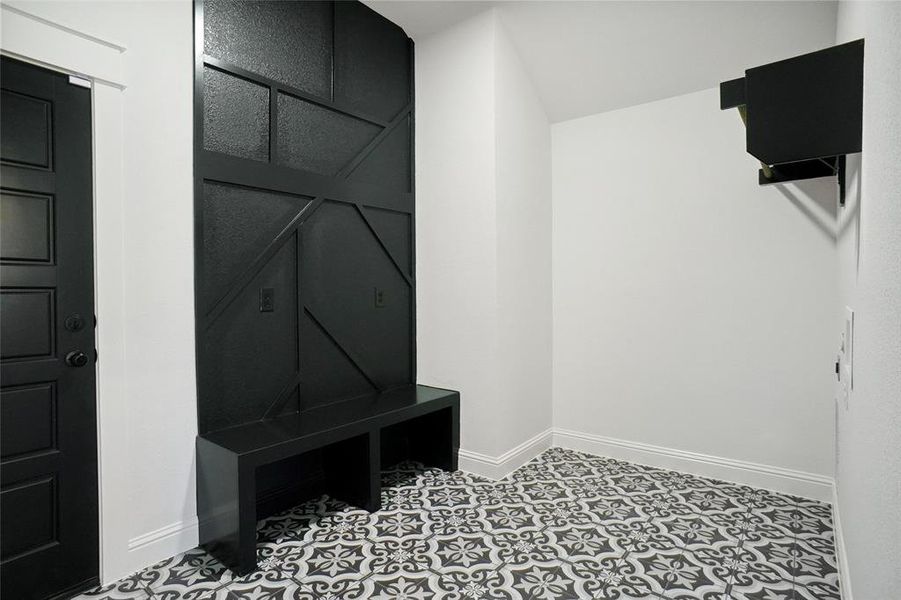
point(341, 445)
point(428, 439)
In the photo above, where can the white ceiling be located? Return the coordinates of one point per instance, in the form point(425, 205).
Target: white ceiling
point(590, 57)
point(422, 18)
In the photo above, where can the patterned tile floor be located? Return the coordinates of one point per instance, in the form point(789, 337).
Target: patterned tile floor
point(566, 525)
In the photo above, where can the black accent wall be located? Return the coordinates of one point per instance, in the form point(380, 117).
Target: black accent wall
point(304, 207)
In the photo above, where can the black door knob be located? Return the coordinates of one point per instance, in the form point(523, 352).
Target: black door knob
point(76, 359)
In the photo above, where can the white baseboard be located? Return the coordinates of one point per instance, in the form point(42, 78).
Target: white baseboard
point(798, 483)
point(160, 544)
point(840, 553)
point(151, 547)
point(154, 546)
point(501, 466)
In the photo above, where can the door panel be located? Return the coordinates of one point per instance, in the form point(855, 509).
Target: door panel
point(35, 404)
point(26, 130)
point(26, 323)
point(27, 228)
point(48, 453)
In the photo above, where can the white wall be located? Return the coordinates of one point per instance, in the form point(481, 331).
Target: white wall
point(869, 442)
point(523, 170)
point(483, 234)
point(456, 257)
point(693, 309)
point(154, 515)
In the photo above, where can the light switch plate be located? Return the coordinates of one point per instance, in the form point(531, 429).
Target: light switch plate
point(267, 300)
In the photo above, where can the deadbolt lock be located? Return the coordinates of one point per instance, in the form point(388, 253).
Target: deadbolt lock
point(74, 322)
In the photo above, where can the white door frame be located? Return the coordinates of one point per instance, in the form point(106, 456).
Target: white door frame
point(37, 40)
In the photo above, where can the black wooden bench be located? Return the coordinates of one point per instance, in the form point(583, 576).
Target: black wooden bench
point(356, 437)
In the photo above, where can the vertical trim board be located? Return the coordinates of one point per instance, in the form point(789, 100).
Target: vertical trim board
point(32, 38)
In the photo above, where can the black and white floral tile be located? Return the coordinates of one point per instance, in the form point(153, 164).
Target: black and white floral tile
point(567, 525)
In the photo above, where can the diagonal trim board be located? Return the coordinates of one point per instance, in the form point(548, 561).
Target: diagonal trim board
point(279, 403)
point(343, 348)
point(260, 253)
point(383, 245)
point(263, 257)
point(264, 253)
point(279, 87)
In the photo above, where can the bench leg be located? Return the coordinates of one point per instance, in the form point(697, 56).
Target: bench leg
point(436, 439)
point(226, 507)
point(353, 471)
point(375, 472)
point(247, 511)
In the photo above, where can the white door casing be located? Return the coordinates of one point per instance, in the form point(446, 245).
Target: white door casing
point(33, 39)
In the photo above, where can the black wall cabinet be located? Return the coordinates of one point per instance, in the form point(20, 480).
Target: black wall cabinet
point(304, 206)
point(803, 114)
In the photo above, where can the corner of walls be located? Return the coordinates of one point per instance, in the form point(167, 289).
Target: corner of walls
point(523, 247)
point(483, 322)
point(868, 478)
point(498, 467)
point(684, 306)
point(841, 553)
point(455, 221)
point(793, 212)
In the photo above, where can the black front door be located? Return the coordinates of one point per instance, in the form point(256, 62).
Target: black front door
point(48, 431)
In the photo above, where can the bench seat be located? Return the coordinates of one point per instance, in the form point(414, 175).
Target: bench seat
point(356, 437)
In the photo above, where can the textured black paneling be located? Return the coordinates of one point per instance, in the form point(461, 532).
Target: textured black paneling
point(250, 354)
point(236, 116)
point(290, 42)
point(26, 323)
point(388, 165)
point(317, 139)
point(329, 374)
point(238, 223)
point(26, 130)
point(26, 227)
point(343, 265)
point(338, 162)
point(372, 61)
point(34, 405)
point(393, 229)
point(28, 516)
